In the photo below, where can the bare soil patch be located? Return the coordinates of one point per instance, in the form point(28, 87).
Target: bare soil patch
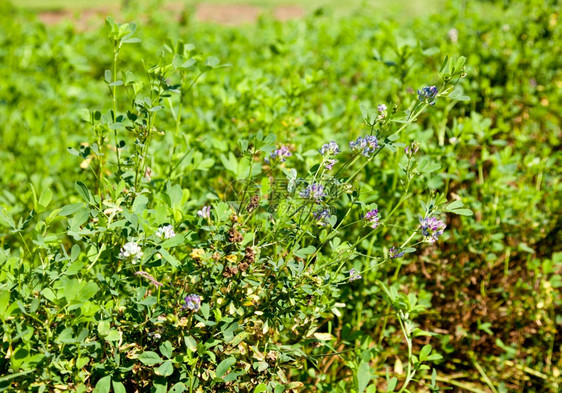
point(232, 14)
point(224, 14)
point(288, 12)
point(83, 19)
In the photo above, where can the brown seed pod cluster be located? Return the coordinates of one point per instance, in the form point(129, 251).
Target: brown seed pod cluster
point(249, 258)
point(234, 236)
point(253, 204)
point(249, 255)
point(230, 271)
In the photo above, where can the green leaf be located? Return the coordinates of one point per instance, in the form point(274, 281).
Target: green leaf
point(425, 351)
point(46, 197)
point(83, 191)
point(454, 205)
point(231, 376)
point(363, 376)
point(133, 40)
point(139, 204)
point(303, 252)
point(262, 387)
point(169, 258)
point(87, 291)
point(190, 343)
point(74, 252)
point(391, 384)
point(174, 194)
point(166, 369)
point(118, 387)
point(103, 385)
point(188, 63)
point(150, 358)
point(178, 388)
point(4, 303)
point(113, 335)
point(205, 310)
point(526, 248)
point(212, 61)
point(6, 219)
point(238, 339)
point(463, 212)
point(67, 210)
point(166, 349)
point(223, 366)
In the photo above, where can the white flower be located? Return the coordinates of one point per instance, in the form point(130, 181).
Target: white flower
point(131, 250)
point(205, 212)
point(165, 232)
point(453, 35)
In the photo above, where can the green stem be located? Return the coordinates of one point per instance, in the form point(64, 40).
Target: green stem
point(114, 98)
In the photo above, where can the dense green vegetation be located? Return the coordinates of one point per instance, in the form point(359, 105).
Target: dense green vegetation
point(171, 218)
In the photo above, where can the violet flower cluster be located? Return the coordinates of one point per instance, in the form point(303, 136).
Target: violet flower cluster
point(432, 228)
point(372, 218)
point(205, 212)
point(394, 253)
point(354, 275)
point(280, 154)
point(428, 94)
point(329, 150)
point(322, 217)
point(192, 302)
point(413, 149)
point(366, 145)
point(313, 191)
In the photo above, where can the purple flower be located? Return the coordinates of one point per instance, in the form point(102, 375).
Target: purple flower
point(330, 149)
point(354, 275)
point(432, 228)
point(192, 302)
point(381, 108)
point(372, 218)
point(280, 154)
point(367, 145)
point(205, 212)
point(427, 94)
point(413, 149)
point(393, 253)
point(147, 276)
point(313, 191)
point(330, 162)
point(322, 217)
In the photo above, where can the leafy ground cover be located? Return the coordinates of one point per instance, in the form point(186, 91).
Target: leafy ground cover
point(330, 205)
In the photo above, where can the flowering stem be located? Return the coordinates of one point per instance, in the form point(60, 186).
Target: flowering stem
point(116, 47)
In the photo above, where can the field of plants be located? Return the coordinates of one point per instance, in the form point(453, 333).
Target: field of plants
point(342, 202)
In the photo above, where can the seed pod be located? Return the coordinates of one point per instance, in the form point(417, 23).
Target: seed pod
point(250, 255)
point(234, 236)
point(253, 204)
point(230, 271)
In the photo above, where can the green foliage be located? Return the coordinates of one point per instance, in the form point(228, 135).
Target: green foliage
point(172, 218)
